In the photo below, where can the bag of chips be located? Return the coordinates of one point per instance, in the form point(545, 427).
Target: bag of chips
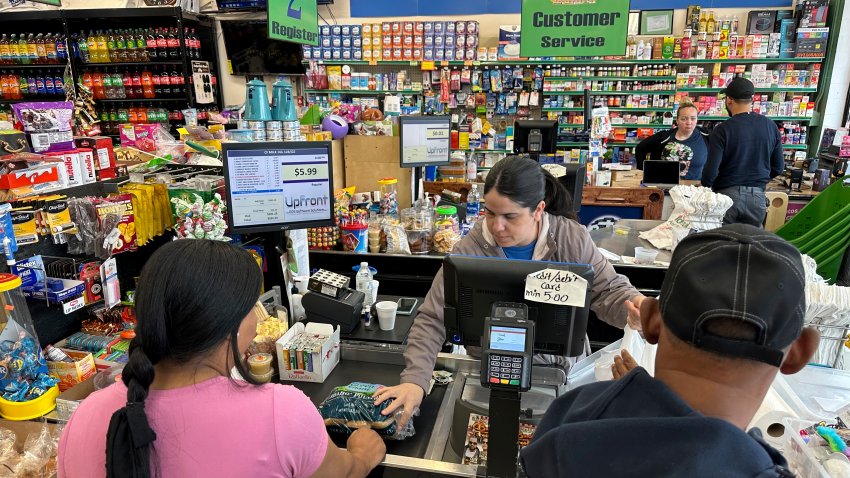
point(352, 406)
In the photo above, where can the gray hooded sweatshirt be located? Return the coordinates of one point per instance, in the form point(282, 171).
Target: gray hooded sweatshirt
point(560, 240)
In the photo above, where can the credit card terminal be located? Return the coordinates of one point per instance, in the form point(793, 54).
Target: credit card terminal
point(508, 344)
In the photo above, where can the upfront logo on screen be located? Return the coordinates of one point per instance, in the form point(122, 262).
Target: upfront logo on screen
point(306, 201)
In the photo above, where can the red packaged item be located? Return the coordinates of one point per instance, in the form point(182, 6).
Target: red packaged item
point(104, 155)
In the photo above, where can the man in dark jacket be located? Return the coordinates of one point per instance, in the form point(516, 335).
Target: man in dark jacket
point(744, 154)
point(687, 143)
point(730, 317)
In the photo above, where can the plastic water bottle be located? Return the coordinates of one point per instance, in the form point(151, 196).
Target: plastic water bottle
point(473, 205)
point(363, 283)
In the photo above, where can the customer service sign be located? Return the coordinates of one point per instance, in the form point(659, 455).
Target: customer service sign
point(574, 27)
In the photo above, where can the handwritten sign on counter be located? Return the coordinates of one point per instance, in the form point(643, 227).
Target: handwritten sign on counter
point(553, 286)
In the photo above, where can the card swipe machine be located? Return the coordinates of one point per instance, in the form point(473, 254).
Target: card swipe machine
point(343, 310)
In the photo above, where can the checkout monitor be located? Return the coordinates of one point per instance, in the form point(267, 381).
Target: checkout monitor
point(278, 186)
point(473, 284)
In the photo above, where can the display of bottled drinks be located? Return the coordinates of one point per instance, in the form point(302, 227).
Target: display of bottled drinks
point(33, 49)
point(112, 116)
point(134, 45)
point(32, 84)
point(148, 83)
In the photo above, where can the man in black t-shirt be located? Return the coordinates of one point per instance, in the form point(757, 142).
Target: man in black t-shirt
point(729, 318)
point(744, 154)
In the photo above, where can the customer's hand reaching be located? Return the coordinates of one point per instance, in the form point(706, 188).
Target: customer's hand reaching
point(407, 395)
point(633, 312)
point(623, 364)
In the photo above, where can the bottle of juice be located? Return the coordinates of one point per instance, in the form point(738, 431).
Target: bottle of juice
point(97, 81)
point(161, 44)
point(5, 52)
point(102, 49)
point(121, 46)
point(111, 47)
point(87, 81)
point(128, 85)
point(32, 48)
point(147, 84)
point(141, 46)
point(118, 85)
point(91, 43)
point(150, 45)
point(108, 92)
point(14, 57)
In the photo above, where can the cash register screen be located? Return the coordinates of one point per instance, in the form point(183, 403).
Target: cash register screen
point(278, 185)
point(509, 339)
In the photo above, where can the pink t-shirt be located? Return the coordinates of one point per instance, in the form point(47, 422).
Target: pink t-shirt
point(214, 428)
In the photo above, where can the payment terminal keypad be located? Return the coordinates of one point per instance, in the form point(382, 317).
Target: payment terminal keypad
point(505, 369)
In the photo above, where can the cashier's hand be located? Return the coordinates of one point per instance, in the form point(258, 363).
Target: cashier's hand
point(633, 312)
point(407, 395)
point(623, 364)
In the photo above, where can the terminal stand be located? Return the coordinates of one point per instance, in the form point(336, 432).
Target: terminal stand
point(502, 445)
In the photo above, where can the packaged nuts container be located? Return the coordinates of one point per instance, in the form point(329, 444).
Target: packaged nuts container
point(419, 226)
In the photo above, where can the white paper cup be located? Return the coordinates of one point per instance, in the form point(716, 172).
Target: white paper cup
point(645, 255)
point(301, 283)
point(386, 314)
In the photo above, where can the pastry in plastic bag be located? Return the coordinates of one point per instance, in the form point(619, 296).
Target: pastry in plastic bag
point(396, 239)
point(352, 406)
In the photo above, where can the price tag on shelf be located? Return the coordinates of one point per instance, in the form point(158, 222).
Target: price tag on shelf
point(428, 66)
point(467, 63)
point(414, 63)
point(444, 63)
point(373, 62)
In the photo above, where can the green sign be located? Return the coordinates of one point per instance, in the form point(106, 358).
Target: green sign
point(574, 27)
point(55, 3)
point(296, 21)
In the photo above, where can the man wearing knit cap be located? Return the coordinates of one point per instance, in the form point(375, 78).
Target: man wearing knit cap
point(729, 318)
point(744, 154)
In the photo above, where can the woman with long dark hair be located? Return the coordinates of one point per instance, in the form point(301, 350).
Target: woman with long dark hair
point(528, 215)
point(177, 412)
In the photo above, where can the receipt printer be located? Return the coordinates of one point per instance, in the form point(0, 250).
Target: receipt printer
point(343, 311)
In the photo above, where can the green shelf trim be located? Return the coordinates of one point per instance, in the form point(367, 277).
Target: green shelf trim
point(609, 78)
point(364, 92)
point(757, 90)
point(652, 110)
point(750, 61)
point(570, 125)
point(619, 62)
point(483, 150)
point(774, 118)
point(636, 125)
point(639, 92)
point(564, 109)
point(800, 147)
point(572, 144)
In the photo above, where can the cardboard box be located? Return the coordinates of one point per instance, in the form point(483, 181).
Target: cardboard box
point(41, 174)
point(68, 400)
point(104, 154)
point(323, 358)
point(370, 158)
point(509, 42)
point(812, 42)
point(626, 179)
point(70, 374)
point(761, 21)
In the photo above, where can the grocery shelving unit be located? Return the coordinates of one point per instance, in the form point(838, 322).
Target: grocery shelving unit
point(68, 22)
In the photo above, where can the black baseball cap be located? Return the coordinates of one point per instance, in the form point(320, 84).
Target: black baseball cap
point(739, 89)
point(736, 272)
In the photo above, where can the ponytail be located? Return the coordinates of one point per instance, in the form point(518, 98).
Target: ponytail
point(129, 437)
point(524, 182)
point(558, 199)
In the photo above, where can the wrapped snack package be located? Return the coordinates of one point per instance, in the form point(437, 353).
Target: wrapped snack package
point(352, 406)
point(47, 124)
point(396, 239)
point(27, 376)
point(200, 220)
point(36, 457)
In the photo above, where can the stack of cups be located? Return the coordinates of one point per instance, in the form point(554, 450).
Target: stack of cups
point(259, 129)
point(260, 367)
point(274, 131)
point(291, 130)
point(386, 314)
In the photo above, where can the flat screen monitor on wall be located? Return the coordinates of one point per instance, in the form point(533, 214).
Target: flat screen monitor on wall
point(251, 52)
point(278, 186)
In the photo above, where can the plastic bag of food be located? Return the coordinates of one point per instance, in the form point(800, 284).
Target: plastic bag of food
point(396, 239)
point(352, 406)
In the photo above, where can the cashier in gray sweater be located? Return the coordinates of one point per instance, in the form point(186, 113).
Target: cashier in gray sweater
point(528, 216)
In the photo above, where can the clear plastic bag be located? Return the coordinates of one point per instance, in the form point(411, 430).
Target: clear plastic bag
point(352, 406)
point(396, 239)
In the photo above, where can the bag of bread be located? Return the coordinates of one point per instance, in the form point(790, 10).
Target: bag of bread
point(352, 406)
